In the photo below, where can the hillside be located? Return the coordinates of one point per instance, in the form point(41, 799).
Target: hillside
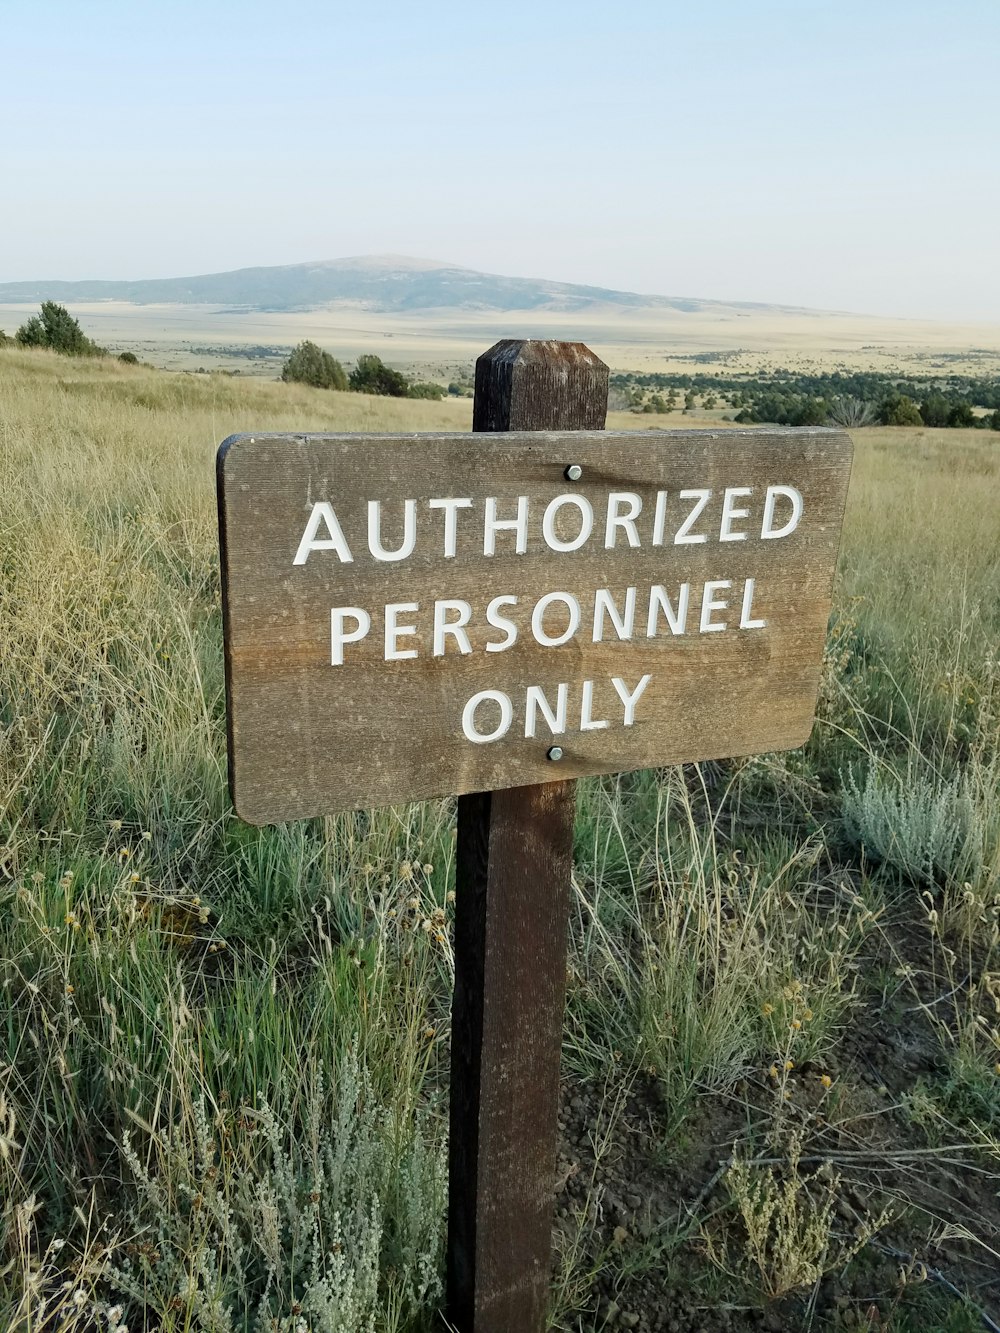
point(380, 283)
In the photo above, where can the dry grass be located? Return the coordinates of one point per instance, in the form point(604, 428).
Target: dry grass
point(205, 1025)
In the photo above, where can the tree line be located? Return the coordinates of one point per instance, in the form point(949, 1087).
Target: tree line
point(791, 398)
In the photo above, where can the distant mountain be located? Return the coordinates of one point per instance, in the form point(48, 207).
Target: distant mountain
point(383, 283)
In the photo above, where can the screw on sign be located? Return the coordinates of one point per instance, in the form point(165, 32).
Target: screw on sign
point(420, 615)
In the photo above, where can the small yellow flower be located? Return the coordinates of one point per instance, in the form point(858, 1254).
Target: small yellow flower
point(767, 1010)
point(406, 871)
point(450, 896)
point(115, 825)
point(808, 1015)
point(789, 1066)
point(428, 869)
point(826, 1081)
point(773, 1071)
point(413, 903)
point(133, 879)
point(429, 1033)
point(70, 990)
point(796, 1024)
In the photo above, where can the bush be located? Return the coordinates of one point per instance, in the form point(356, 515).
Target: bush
point(851, 412)
point(371, 375)
point(932, 830)
point(899, 410)
point(309, 364)
point(934, 410)
point(424, 389)
point(128, 358)
point(56, 329)
point(961, 416)
point(4, 340)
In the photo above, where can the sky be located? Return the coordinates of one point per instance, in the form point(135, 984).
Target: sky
point(836, 155)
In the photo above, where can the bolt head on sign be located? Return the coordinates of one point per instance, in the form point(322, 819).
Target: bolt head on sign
point(419, 615)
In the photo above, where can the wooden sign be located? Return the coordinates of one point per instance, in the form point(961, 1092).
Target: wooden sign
point(420, 615)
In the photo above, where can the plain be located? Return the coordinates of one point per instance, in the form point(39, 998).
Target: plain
point(223, 1069)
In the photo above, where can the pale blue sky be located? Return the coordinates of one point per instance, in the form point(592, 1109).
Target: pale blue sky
point(843, 155)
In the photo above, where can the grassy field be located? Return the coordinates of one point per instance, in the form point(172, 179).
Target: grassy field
point(224, 1050)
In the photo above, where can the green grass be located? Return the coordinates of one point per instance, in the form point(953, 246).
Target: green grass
point(204, 1025)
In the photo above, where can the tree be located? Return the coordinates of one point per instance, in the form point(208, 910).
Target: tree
point(899, 410)
point(851, 412)
point(56, 329)
point(371, 375)
point(934, 410)
point(309, 364)
point(962, 416)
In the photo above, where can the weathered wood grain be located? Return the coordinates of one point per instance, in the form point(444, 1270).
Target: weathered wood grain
point(515, 854)
point(309, 738)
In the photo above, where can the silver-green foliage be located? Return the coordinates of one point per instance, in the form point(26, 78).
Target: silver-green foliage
point(931, 829)
point(334, 1227)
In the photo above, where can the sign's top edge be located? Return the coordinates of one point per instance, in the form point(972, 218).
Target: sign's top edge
point(649, 435)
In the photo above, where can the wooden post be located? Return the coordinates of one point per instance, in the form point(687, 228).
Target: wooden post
point(514, 861)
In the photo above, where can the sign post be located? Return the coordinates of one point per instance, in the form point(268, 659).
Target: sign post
point(515, 857)
point(420, 615)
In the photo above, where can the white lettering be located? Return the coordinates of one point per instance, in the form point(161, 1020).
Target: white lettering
point(746, 621)
point(451, 508)
point(375, 531)
point(729, 512)
point(587, 722)
point(768, 530)
point(630, 699)
point(394, 632)
point(517, 525)
point(501, 622)
point(586, 509)
point(322, 512)
point(709, 603)
point(538, 615)
point(659, 601)
point(605, 604)
point(535, 700)
point(337, 636)
point(616, 520)
point(443, 626)
point(469, 717)
point(659, 518)
point(684, 535)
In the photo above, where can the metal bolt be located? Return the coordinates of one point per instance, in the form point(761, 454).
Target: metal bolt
point(573, 473)
point(555, 753)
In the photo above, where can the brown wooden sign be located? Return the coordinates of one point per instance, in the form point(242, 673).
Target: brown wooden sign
point(414, 616)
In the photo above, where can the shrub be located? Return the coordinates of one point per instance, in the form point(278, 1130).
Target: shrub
point(371, 375)
point(900, 410)
point(128, 358)
point(851, 412)
point(933, 831)
point(935, 409)
point(424, 389)
point(309, 364)
point(56, 329)
point(962, 416)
